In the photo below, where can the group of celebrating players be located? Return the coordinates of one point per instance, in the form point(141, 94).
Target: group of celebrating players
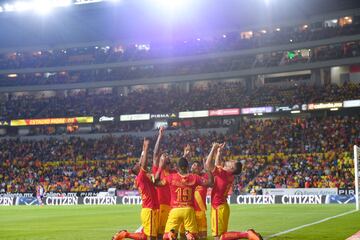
point(174, 200)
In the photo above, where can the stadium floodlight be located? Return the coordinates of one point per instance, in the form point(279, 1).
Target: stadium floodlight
point(172, 8)
point(43, 7)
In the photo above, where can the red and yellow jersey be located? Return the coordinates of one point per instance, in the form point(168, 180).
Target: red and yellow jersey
point(182, 188)
point(163, 193)
point(223, 182)
point(200, 195)
point(147, 190)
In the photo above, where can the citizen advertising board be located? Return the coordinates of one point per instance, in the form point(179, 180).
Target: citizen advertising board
point(6, 201)
point(137, 200)
point(278, 199)
point(106, 200)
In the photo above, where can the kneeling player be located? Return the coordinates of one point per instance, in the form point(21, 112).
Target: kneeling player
point(150, 204)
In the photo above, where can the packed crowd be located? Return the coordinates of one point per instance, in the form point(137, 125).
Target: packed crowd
point(132, 52)
point(228, 95)
point(190, 67)
point(267, 148)
point(326, 170)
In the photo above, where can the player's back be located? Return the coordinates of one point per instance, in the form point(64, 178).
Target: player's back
point(147, 190)
point(182, 188)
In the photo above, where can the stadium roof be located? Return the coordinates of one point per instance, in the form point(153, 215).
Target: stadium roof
point(150, 20)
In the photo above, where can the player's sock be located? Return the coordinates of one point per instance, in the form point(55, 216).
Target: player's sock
point(234, 235)
point(136, 236)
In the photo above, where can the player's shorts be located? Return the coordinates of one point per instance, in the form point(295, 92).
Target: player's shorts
point(220, 219)
point(150, 221)
point(163, 217)
point(178, 216)
point(201, 220)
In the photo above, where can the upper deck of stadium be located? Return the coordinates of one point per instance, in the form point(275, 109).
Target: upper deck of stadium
point(93, 46)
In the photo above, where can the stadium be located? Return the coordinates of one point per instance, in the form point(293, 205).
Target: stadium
point(179, 119)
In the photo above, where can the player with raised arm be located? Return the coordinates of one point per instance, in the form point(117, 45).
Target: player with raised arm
point(182, 187)
point(199, 195)
point(163, 193)
point(150, 203)
point(224, 173)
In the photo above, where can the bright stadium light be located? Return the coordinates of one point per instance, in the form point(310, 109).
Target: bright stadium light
point(43, 7)
point(172, 8)
point(22, 6)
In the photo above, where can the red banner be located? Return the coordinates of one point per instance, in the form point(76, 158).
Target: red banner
point(225, 112)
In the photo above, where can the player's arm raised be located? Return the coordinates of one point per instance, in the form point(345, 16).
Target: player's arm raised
point(218, 159)
point(209, 163)
point(157, 179)
point(156, 155)
point(144, 154)
point(187, 152)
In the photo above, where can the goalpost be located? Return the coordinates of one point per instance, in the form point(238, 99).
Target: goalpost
point(356, 175)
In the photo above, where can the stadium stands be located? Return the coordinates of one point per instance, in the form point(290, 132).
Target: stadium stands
point(315, 148)
point(190, 67)
point(214, 96)
point(231, 41)
point(307, 151)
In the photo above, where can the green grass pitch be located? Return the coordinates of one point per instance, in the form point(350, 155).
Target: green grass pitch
point(101, 222)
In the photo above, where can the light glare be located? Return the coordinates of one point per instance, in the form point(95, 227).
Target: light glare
point(42, 7)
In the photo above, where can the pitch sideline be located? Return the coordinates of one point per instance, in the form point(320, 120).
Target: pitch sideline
point(308, 225)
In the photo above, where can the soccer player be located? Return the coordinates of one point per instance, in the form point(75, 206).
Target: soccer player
point(224, 173)
point(150, 204)
point(163, 193)
point(199, 197)
point(40, 193)
point(200, 201)
point(182, 187)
